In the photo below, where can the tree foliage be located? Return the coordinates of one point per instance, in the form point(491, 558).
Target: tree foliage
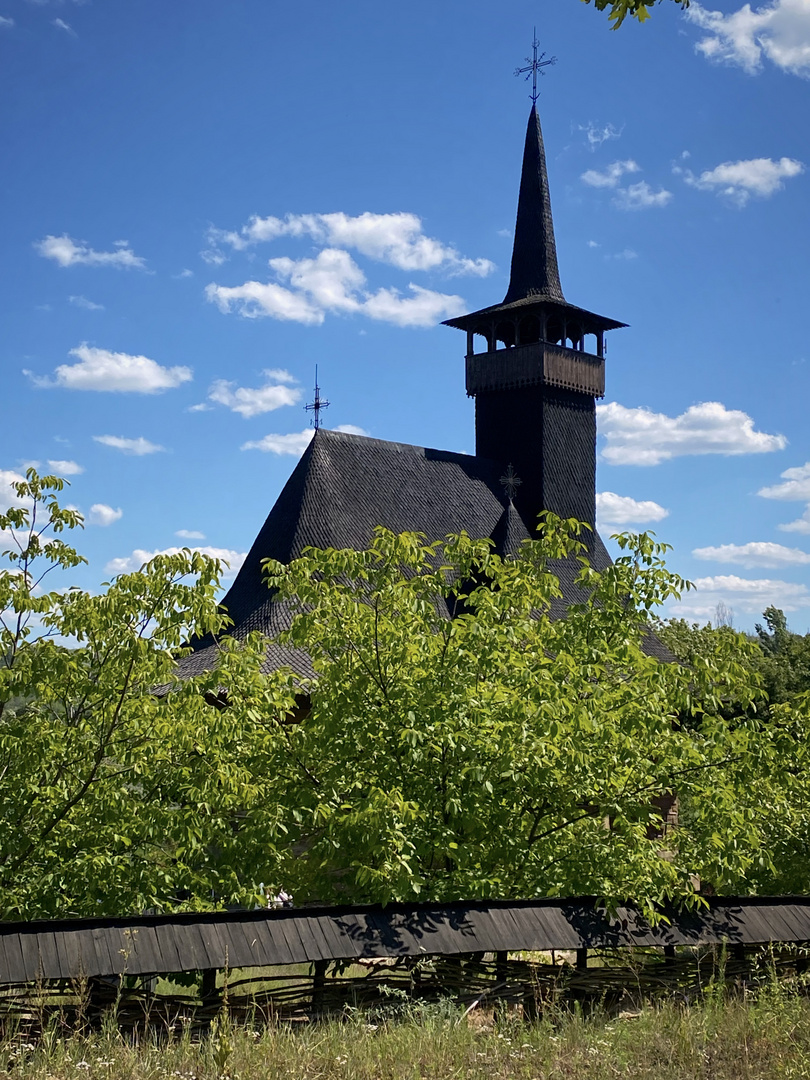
point(618, 10)
point(115, 798)
point(456, 741)
point(781, 662)
point(463, 743)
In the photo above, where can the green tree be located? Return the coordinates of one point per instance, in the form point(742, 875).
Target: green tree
point(115, 797)
point(780, 661)
point(462, 743)
point(638, 9)
point(785, 659)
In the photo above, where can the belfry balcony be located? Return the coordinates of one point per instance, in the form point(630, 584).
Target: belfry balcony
point(536, 364)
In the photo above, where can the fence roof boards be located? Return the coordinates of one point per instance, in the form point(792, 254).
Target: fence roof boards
point(156, 944)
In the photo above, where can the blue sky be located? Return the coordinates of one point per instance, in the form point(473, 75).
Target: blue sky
point(202, 201)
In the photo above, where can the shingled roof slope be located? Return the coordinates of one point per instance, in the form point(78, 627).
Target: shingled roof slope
point(535, 271)
point(345, 485)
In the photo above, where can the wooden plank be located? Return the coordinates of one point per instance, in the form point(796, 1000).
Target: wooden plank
point(273, 941)
point(513, 934)
point(106, 963)
point(686, 928)
point(289, 929)
point(779, 919)
point(29, 943)
point(503, 930)
point(310, 941)
point(148, 951)
point(119, 946)
point(797, 918)
point(347, 926)
point(755, 927)
point(51, 967)
point(170, 957)
point(12, 964)
point(382, 938)
point(483, 931)
point(210, 944)
point(340, 947)
point(320, 937)
point(438, 931)
point(73, 944)
point(548, 928)
point(217, 939)
point(188, 947)
point(244, 941)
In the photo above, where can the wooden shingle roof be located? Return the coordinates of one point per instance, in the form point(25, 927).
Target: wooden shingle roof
point(345, 485)
point(159, 944)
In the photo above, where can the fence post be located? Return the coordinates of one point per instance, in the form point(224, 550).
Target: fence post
point(318, 981)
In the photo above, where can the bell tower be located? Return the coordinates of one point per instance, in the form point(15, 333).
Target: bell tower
point(536, 364)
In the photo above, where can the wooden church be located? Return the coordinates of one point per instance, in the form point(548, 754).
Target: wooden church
point(535, 366)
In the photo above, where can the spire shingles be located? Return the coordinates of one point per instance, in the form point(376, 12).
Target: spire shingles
point(534, 255)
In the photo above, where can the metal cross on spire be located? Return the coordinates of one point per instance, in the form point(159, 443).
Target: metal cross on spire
point(315, 406)
point(534, 64)
point(511, 482)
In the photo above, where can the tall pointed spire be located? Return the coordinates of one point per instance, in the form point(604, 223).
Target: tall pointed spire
point(534, 256)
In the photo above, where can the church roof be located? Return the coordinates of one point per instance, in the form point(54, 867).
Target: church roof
point(345, 485)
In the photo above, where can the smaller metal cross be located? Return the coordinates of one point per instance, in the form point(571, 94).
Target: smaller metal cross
point(315, 406)
point(511, 482)
point(535, 64)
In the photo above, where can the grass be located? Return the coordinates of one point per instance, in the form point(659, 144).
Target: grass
point(758, 1036)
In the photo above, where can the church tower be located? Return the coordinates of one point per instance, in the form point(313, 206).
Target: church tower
point(536, 365)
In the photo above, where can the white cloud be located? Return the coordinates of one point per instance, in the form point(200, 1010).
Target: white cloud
point(597, 134)
point(297, 442)
point(800, 525)
point(795, 488)
point(744, 595)
point(755, 554)
point(739, 180)
point(779, 31)
point(5, 23)
point(100, 369)
point(256, 299)
point(101, 514)
point(183, 274)
point(612, 509)
point(332, 282)
point(66, 468)
point(294, 444)
point(136, 447)
point(396, 239)
point(351, 429)
point(128, 564)
point(423, 308)
point(626, 256)
point(331, 279)
point(68, 252)
point(83, 302)
point(252, 401)
point(190, 534)
point(60, 24)
point(643, 437)
point(640, 196)
point(8, 496)
point(611, 176)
